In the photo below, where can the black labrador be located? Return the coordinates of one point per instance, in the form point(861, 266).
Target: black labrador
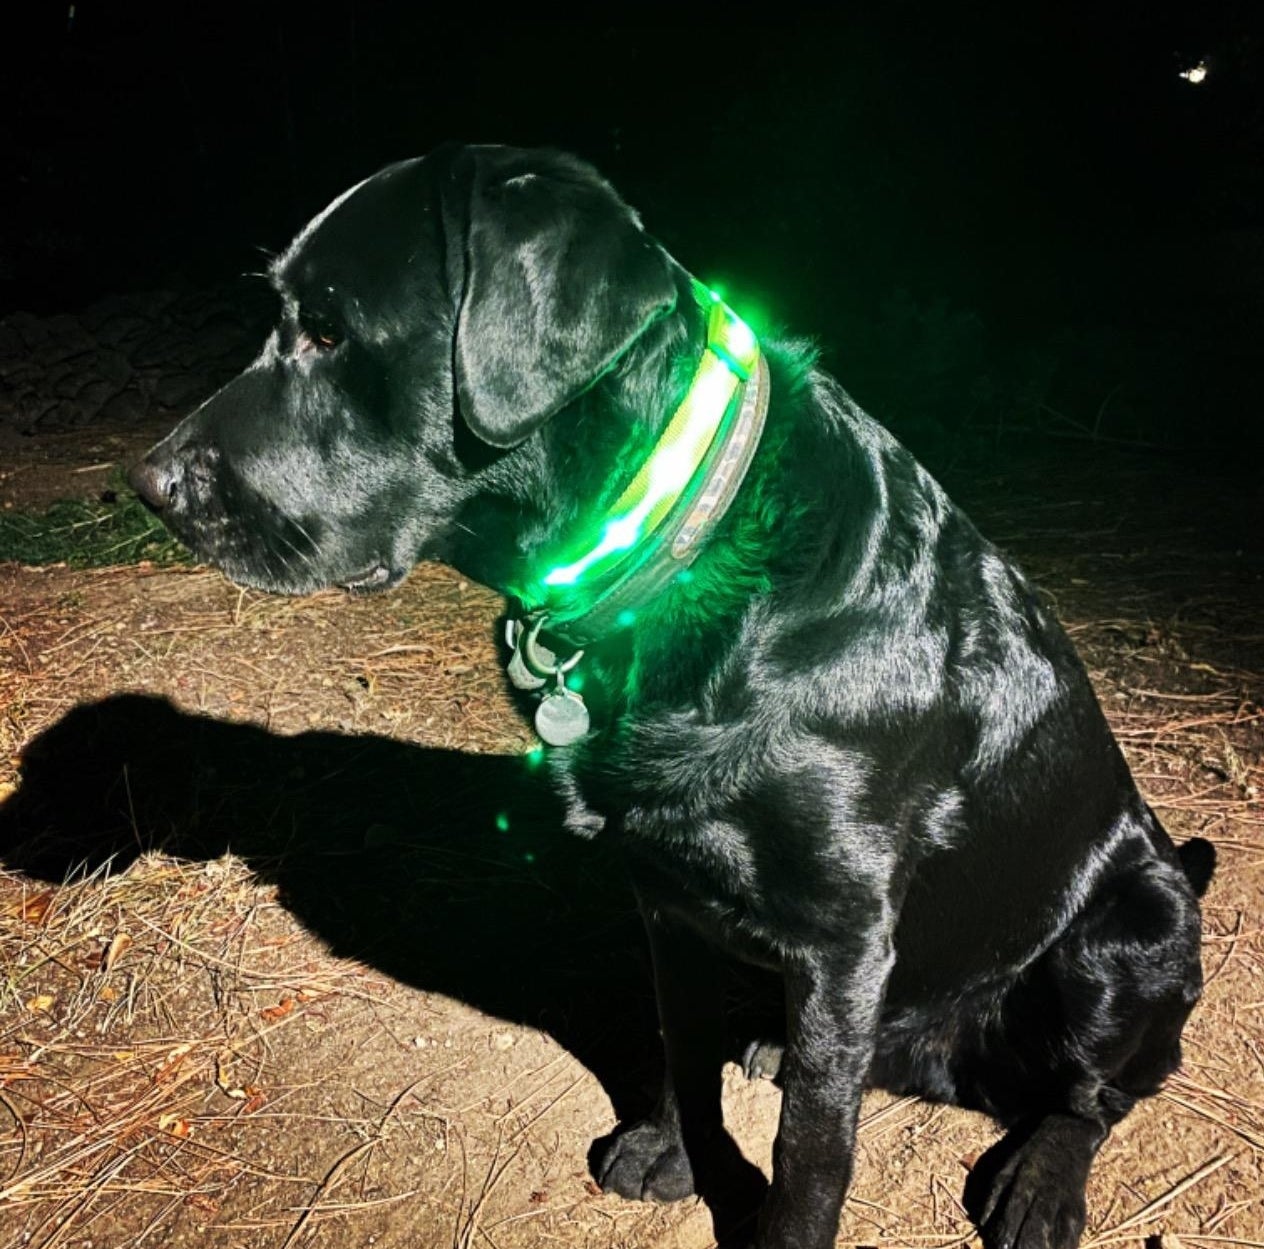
point(843, 738)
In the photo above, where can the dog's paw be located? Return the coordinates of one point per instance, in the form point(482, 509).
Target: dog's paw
point(1032, 1210)
point(646, 1163)
point(761, 1060)
point(1028, 1192)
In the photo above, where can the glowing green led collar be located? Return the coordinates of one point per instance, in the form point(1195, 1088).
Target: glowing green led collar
point(656, 527)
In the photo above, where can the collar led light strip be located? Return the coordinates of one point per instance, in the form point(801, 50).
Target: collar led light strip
point(731, 359)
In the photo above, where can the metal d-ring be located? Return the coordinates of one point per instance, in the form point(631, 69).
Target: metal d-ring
point(534, 652)
point(561, 718)
point(533, 665)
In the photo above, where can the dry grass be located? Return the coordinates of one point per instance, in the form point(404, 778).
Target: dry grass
point(422, 665)
point(138, 1011)
point(164, 1026)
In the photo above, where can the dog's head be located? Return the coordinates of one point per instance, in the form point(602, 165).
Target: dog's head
point(434, 319)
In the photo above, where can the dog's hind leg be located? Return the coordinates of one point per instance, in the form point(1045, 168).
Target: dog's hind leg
point(1124, 975)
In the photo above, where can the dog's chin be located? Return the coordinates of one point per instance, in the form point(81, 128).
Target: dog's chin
point(368, 580)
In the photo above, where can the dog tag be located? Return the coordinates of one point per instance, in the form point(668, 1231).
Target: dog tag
point(522, 676)
point(561, 718)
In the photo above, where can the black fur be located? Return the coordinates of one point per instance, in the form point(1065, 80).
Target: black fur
point(855, 747)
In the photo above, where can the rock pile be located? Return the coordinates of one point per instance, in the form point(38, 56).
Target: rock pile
point(125, 358)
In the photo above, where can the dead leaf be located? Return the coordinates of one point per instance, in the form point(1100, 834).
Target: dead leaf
point(115, 950)
point(41, 1004)
point(283, 1008)
point(33, 910)
point(175, 1125)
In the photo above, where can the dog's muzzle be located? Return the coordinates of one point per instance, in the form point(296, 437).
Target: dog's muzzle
point(173, 483)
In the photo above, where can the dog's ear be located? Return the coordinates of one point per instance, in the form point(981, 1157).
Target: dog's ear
point(559, 280)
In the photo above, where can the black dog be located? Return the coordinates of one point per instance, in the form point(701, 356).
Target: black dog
point(846, 741)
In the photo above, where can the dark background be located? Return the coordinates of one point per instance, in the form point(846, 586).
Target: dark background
point(1000, 224)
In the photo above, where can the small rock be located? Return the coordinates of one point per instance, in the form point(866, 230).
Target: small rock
point(126, 408)
point(181, 390)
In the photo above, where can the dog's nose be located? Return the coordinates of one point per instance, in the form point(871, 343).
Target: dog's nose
point(155, 482)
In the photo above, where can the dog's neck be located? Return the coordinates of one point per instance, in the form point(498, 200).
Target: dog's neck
point(648, 537)
point(604, 575)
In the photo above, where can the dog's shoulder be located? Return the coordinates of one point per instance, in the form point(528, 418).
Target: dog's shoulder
point(844, 591)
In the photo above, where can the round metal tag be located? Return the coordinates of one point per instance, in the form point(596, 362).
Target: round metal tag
point(561, 718)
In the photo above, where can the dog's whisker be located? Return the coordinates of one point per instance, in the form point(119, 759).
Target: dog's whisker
point(306, 559)
point(298, 524)
point(279, 567)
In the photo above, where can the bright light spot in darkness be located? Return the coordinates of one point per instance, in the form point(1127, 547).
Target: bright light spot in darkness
point(622, 533)
point(741, 341)
point(1196, 73)
point(502, 823)
point(668, 471)
point(731, 357)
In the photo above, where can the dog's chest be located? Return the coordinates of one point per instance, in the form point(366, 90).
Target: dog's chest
point(707, 878)
point(749, 854)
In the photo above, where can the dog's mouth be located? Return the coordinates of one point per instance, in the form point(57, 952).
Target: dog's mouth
point(375, 577)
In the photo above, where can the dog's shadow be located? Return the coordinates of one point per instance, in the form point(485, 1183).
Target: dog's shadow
point(448, 871)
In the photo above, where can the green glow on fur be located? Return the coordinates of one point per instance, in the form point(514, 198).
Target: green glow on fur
point(731, 356)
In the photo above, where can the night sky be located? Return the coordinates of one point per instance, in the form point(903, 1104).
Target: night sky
point(962, 210)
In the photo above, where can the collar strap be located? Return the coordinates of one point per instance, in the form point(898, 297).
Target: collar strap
point(661, 521)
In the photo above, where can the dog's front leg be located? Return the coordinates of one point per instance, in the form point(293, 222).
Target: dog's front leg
point(656, 1159)
point(682, 1148)
point(833, 1003)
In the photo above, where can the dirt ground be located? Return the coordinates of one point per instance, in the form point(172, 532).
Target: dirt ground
point(295, 954)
